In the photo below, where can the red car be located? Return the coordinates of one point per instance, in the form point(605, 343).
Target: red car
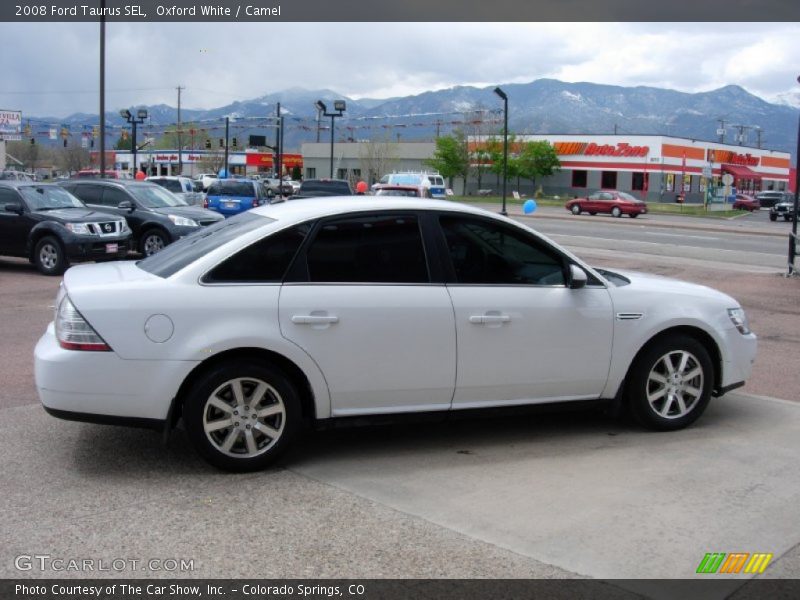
point(745, 202)
point(608, 201)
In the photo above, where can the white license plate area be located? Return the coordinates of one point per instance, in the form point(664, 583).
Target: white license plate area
point(112, 248)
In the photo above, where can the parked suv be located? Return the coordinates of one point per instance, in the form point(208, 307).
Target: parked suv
point(784, 208)
point(769, 199)
point(51, 228)
point(182, 187)
point(156, 216)
point(232, 196)
point(313, 188)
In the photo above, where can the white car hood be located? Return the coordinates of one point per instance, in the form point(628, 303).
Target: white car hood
point(646, 282)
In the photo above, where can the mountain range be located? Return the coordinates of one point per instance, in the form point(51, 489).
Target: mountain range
point(542, 106)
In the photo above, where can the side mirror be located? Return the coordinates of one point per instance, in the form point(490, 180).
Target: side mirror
point(577, 277)
point(126, 205)
point(15, 207)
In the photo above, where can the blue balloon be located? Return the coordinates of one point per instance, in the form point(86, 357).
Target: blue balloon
point(223, 173)
point(529, 206)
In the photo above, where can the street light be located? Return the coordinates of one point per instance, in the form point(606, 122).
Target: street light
point(141, 115)
point(793, 237)
point(504, 97)
point(339, 106)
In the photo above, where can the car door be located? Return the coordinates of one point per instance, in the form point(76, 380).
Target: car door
point(592, 203)
point(524, 335)
point(360, 300)
point(14, 228)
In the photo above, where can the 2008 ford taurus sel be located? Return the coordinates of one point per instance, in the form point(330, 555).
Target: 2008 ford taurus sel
point(339, 307)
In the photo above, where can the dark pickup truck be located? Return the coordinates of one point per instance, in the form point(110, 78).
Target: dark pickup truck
point(314, 188)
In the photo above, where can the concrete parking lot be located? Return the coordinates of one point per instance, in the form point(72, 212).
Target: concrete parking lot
point(534, 496)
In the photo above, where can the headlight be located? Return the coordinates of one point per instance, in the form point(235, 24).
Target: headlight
point(184, 221)
point(79, 228)
point(739, 320)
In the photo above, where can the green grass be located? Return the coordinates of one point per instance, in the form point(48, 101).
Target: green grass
point(661, 208)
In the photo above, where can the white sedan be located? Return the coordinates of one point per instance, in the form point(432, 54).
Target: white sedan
point(324, 309)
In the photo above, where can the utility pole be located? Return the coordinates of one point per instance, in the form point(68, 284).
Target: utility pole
point(759, 131)
point(742, 131)
point(227, 131)
point(102, 89)
point(277, 162)
point(615, 129)
point(721, 130)
point(180, 130)
point(438, 124)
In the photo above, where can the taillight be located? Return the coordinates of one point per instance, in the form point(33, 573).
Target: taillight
point(205, 202)
point(73, 332)
point(255, 202)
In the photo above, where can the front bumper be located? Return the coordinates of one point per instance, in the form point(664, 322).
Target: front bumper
point(79, 247)
point(101, 386)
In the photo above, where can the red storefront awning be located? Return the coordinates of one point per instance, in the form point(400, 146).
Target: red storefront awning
point(741, 172)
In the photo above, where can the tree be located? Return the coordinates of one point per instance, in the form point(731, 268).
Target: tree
point(451, 157)
point(124, 142)
point(537, 159)
point(377, 158)
point(26, 153)
point(74, 158)
point(485, 158)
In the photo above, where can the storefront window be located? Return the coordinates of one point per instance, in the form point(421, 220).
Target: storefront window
point(669, 183)
point(608, 180)
point(579, 179)
point(687, 183)
point(638, 181)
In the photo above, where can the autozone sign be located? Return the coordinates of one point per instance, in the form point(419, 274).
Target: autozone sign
point(592, 149)
point(730, 157)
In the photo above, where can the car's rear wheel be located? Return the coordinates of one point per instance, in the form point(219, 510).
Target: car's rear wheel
point(152, 241)
point(242, 415)
point(773, 217)
point(633, 215)
point(593, 213)
point(49, 256)
point(787, 217)
point(616, 212)
point(576, 209)
point(669, 385)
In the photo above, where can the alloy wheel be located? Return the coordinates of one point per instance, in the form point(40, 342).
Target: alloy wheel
point(675, 384)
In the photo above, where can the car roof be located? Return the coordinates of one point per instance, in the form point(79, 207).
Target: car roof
point(115, 182)
point(17, 183)
point(309, 208)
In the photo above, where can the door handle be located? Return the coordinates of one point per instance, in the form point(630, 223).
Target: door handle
point(489, 319)
point(314, 319)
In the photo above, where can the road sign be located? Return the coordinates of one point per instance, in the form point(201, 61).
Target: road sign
point(727, 179)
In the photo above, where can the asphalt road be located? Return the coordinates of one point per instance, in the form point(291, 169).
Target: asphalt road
point(549, 496)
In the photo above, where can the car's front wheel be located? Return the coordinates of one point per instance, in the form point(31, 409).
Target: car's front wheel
point(669, 385)
point(773, 217)
point(242, 415)
point(152, 241)
point(49, 256)
point(576, 209)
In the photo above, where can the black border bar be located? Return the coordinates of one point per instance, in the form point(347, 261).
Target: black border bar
point(444, 11)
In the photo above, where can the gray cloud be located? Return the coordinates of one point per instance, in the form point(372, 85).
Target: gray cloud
point(55, 66)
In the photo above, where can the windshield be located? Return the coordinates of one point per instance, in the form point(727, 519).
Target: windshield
point(154, 196)
point(46, 197)
point(232, 188)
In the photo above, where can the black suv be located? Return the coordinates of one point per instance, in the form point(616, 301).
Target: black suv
point(156, 216)
point(51, 227)
point(770, 198)
point(783, 208)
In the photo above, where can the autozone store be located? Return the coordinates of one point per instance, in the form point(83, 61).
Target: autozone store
point(657, 168)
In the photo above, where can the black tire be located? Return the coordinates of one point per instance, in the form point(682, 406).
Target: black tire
point(773, 217)
point(678, 403)
point(253, 441)
point(152, 241)
point(49, 256)
point(633, 215)
point(787, 217)
point(593, 213)
point(576, 209)
point(616, 212)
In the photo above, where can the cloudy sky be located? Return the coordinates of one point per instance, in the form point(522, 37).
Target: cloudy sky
point(54, 67)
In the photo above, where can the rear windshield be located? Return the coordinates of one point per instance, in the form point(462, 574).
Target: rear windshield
point(338, 187)
point(232, 188)
point(185, 251)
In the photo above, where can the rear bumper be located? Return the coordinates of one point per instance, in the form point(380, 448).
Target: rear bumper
point(102, 387)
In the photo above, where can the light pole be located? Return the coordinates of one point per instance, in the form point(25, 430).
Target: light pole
point(141, 115)
point(793, 237)
point(339, 106)
point(227, 132)
point(503, 95)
